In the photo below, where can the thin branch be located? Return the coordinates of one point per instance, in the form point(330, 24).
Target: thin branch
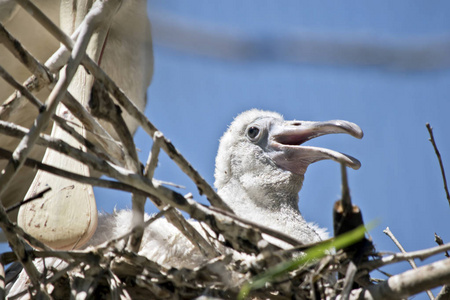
point(445, 291)
point(175, 216)
point(75, 108)
point(441, 165)
point(240, 235)
point(103, 107)
point(18, 246)
point(111, 242)
point(37, 196)
point(398, 257)
point(152, 161)
point(444, 294)
point(440, 242)
point(130, 107)
point(102, 137)
point(10, 79)
point(25, 146)
point(388, 232)
point(28, 60)
point(408, 283)
point(17, 131)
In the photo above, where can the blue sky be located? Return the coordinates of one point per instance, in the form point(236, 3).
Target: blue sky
point(390, 92)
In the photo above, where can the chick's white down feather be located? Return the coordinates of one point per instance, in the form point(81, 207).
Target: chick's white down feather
point(255, 188)
point(253, 185)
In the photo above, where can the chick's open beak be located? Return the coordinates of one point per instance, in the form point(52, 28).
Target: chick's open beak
point(286, 139)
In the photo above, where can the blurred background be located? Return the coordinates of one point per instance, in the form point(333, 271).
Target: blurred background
point(384, 65)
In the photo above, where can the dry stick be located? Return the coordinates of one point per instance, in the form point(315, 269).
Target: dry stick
point(74, 176)
point(99, 74)
point(445, 291)
point(111, 242)
point(441, 165)
point(14, 100)
point(346, 199)
point(43, 77)
point(26, 144)
point(440, 242)
point(31, 63)
point(205, 245)
point(37, 196)
point(87, 256)
point(20, 154)
point(398, 257)
point(24, 91)
point(102, 153)
point(94, 162)
point(406, 284)
point(388, 232)
point(17, 131)
point(102, 137)
point(103, 107)
point(152, 160)
point(13, 234)
point(53, 279)
point(175, 217)
point(81, 113)
point(238, 234)
point(42, 74)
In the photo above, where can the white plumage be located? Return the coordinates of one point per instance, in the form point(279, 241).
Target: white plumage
point(127, 57)
point(259, 171)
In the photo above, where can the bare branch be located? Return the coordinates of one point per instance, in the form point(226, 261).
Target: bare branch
point(408, 283)
point(28, 60)
point(440, 242)
point(441, 165)
point(152, 161)
point(388, 232)
point(411, 261)
point(37, 196)
point(397, 257)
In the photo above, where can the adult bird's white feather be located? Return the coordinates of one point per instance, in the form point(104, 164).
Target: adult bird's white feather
point(124, 52)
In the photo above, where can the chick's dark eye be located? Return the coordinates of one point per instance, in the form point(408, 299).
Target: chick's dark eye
point(253, 132)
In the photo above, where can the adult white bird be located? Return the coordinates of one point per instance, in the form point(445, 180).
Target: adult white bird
point(260, 166)
point(123, 49)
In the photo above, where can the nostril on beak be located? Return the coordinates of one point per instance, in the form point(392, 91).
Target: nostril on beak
point(296, 123)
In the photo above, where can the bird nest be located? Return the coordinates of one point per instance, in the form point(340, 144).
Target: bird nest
point(239, 260)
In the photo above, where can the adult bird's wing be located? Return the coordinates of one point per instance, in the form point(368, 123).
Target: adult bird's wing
point(66, 217)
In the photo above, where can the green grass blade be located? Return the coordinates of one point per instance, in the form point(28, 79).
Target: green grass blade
point(316, 252)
